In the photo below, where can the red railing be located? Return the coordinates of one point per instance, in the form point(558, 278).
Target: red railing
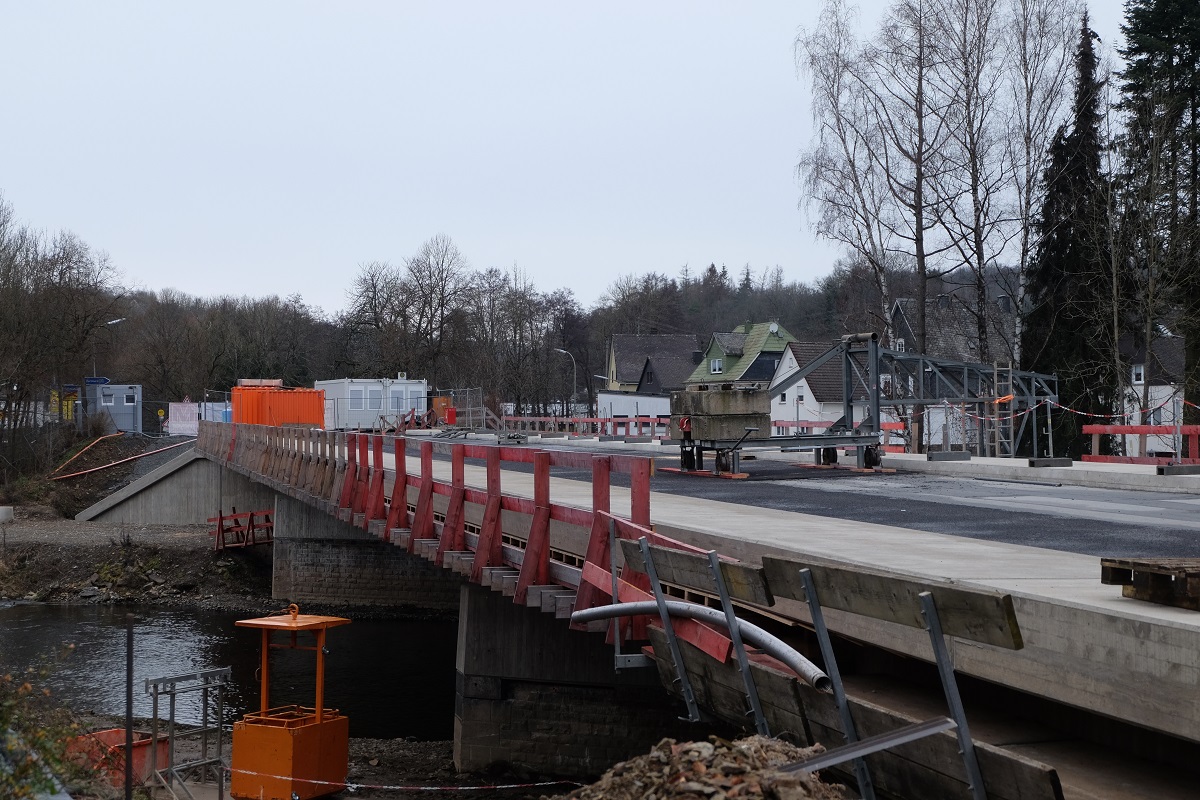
point(1191, 433)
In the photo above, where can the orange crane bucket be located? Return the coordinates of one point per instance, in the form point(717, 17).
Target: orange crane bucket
point(290, 752)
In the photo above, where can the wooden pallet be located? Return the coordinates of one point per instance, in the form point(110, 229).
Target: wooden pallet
point(1167, 581)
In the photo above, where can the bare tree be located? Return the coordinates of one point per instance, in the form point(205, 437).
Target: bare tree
point(840, 173)
point(976, 177)
point(1040, 37)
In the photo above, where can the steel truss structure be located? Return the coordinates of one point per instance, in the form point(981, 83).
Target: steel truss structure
point(1004, 399)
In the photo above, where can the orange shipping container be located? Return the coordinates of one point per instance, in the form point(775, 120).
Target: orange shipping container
point(263, 405)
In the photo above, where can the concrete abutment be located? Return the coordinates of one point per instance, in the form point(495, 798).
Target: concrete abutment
point(533, 693)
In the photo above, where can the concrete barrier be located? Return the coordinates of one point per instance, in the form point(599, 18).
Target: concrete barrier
point(948, 455)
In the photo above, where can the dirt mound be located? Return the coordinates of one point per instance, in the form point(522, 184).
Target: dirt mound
point(712, 770)
point(67, 496)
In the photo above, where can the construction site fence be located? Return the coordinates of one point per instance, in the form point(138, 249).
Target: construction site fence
point(1189, 434)
point(653, 427)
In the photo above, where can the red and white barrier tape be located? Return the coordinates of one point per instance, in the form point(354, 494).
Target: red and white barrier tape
point(354, 787)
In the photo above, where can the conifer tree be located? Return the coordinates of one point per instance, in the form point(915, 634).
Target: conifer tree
point(1069, 287)
point(1161, 152)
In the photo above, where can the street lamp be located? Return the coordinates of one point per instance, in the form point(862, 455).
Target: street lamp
point(110, 322)
point(574, 372)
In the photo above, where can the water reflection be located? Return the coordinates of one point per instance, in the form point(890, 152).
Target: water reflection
point(392, 678)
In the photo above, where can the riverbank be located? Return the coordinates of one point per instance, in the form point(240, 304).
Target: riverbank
point(47, 559)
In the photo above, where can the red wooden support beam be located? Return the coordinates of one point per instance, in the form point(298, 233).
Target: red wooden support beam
point(398, 510)
point(454, 531)
point(709, 639)
point(347, 496)
point(535, 567)
point(588, 595)
point(359, 503)
point(488, 550)
point(374, 509)
point(639, 492)
point(423, 519)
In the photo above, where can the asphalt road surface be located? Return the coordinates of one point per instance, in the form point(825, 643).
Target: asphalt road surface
point(1099, 522)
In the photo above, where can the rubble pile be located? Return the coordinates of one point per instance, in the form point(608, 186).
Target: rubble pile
point(712, 770)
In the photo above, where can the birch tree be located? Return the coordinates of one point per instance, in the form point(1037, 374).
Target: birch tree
point(842, 178)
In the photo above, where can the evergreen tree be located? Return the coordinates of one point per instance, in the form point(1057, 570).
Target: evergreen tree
point(1161, 152)
point(1069, 288)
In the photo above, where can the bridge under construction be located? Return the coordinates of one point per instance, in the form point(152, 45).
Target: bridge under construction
point(1098, 688)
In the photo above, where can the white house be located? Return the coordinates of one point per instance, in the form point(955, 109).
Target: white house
point(815, 401)
point(1155, 395)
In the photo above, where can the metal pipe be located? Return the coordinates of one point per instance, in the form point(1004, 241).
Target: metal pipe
point(859, 338)
point(751, 633)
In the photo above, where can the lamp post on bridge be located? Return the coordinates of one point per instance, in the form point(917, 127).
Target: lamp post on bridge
point(574, 372)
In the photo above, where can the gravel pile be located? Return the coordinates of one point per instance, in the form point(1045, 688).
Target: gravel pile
point(712, 770)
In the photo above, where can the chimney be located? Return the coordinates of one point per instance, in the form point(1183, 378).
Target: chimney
point(1005, 303)
point(697, 356)
point(943, 301)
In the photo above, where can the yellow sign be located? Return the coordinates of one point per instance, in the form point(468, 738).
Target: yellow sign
point(161, 413)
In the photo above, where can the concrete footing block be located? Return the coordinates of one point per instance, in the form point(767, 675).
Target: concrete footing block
point(563, 605)
point(533, 595)
point(1178, 469)
point(550, 600)
point(1050, 462)
point(949, 455)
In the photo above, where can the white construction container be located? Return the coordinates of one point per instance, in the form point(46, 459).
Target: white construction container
point(371, 403)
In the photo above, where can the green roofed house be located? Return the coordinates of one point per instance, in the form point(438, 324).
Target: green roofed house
point(747, 356)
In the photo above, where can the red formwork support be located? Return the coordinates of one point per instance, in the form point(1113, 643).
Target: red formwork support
point(346, 499)
point(359, 503)
point(535, 567)
point(589, 595)
point(488, 550)
point(454, 530)
point(398, 510)
point(639, 492)
point(374, 508)
point(423, 519)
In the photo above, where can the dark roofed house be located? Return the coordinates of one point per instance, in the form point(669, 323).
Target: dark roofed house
point(952, 329)
point(654, 363)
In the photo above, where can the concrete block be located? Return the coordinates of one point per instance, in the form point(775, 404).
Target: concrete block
point(949, 455)
point(725, 428)
point(564, 605)
point(1178, 469)
point(533, 595)
point(550, 599)
point(719, 402)
point(1050, 462)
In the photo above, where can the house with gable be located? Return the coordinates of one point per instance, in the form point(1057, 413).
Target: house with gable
point(654, 363)
point(952, 329)
point(815, 398)
point(642, 370)
point(1155, 393)
point(747, 357)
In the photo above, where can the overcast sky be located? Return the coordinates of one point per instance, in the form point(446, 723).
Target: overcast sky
point(259, 148)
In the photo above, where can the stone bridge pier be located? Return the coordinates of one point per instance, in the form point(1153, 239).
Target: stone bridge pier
point(528, 690)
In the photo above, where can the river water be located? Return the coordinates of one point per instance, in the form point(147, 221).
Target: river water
point(393, 678)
